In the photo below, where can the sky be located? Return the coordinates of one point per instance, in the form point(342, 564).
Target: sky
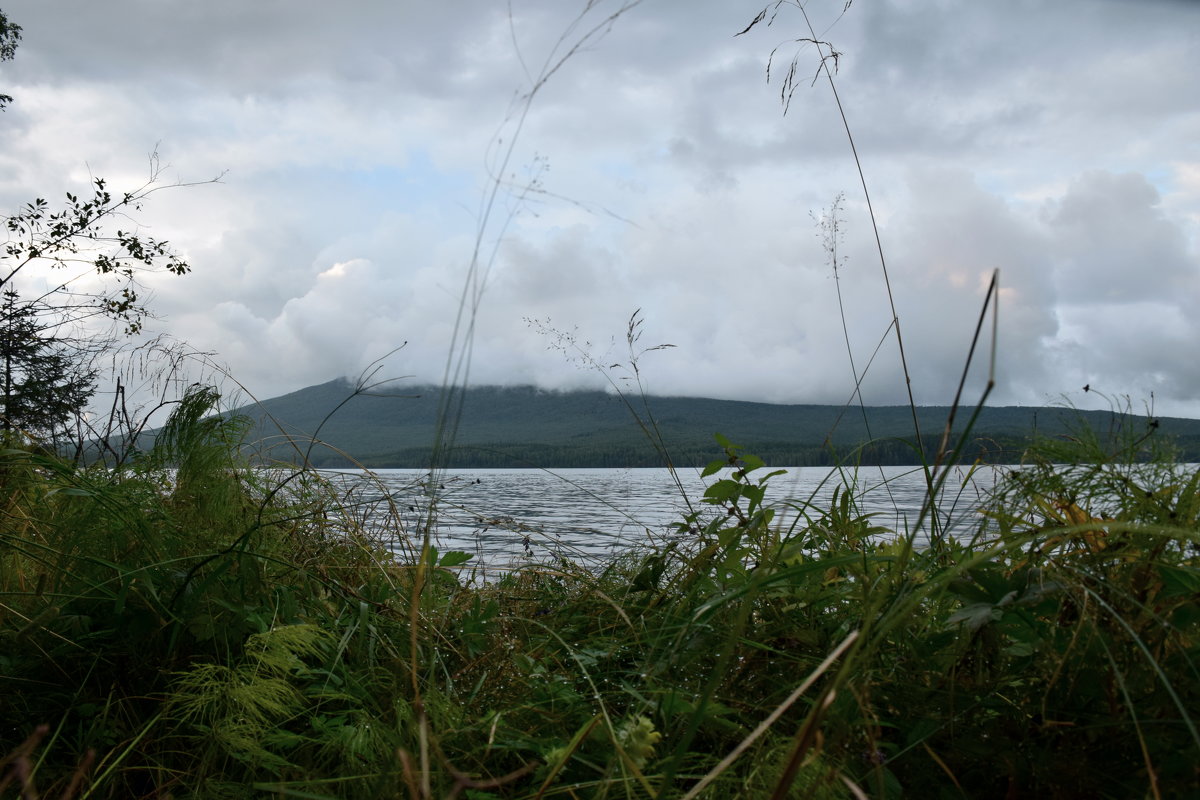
point(411, 184)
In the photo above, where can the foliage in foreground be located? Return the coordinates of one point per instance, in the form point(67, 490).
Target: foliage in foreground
point(187, 627)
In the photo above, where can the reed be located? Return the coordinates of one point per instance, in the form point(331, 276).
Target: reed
point(213, 635)
point(184, 625)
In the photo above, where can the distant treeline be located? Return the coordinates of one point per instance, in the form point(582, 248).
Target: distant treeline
point(1002, 450)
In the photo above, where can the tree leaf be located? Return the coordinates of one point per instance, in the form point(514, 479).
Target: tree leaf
point(455, 558)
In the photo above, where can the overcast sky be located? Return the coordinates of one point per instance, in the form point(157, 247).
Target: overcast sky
point(1056, 140)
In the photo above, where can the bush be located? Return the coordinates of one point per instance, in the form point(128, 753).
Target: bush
point(210, 630)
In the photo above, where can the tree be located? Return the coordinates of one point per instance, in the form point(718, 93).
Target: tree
point(49, 338)
point(45, 379)
point(10, 34)
point(64, 284)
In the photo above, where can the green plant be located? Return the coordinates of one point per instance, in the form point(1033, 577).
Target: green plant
point(10, 34)
point(208, 629)
point(44, 332)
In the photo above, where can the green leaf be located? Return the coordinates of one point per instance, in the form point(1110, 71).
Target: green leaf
point(722, 490)
point(1019, 649)
point(1179, 581)
point(70, 491)
point(454, 558)
point(714, 467)
point(976, 615)
point(752, 462)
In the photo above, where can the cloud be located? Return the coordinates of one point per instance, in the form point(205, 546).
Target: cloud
point(1114, 244)
point(949, 240)
point(1055, 142)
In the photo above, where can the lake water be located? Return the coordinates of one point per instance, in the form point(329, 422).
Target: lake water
point(506, 516)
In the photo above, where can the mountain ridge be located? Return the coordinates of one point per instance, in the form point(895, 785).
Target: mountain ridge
point(532, 426)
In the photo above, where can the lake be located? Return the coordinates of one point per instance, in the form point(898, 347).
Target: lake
point(506, 516)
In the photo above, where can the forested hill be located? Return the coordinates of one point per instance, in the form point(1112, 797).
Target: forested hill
point(525, 426)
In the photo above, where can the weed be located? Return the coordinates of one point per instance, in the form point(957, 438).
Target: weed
point(181, 624)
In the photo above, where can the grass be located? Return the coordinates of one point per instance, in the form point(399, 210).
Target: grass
point(221, 631)
point(183, 625)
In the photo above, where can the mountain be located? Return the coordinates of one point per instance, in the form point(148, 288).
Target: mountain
point(527, 426)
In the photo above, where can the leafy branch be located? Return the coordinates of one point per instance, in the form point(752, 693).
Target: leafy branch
point(73, 235)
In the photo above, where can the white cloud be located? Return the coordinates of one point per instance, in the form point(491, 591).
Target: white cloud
point(1114, 244)
point(1056, 142)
